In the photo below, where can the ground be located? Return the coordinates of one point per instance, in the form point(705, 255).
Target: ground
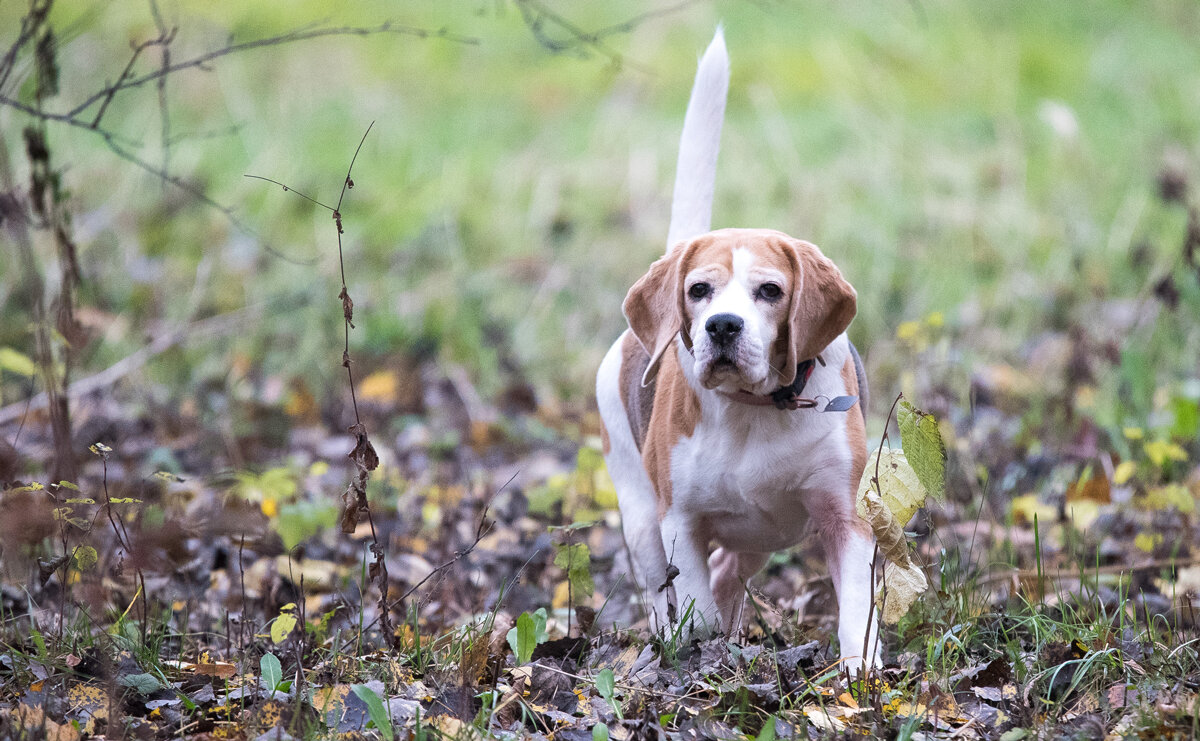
point(1012, 193)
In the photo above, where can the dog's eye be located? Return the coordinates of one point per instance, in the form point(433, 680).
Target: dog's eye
point(769, 291)
point(699, 291)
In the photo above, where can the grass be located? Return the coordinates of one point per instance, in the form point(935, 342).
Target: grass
point(988, 177)
point(957, 159)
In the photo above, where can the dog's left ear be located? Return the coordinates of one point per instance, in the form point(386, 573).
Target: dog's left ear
point(823, 304)
point(654, 307)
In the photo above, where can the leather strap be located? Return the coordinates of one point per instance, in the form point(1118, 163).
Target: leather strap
point(788, 398)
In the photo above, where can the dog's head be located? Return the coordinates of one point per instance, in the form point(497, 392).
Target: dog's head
point(750, 304)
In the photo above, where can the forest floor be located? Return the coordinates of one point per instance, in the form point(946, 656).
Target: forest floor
point(223, 601)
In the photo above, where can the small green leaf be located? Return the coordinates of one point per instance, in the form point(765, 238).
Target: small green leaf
point(606, 685)
point(85, 557)
point(271, 671)
point(923, 446)
point(143, 684)
point(375, 709)
point(526, 638)
point(300, 521)
point(599, 732)
point(576, 560)
point(68, 485)
point(16, 362)
point(768, 730)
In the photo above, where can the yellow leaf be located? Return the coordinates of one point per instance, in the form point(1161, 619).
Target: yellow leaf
point(1168, 497)
point(935, 320)
point(1134, 433)
point(270, 508)
point(898, 486)
point(1124, 472)
point(1161, 451)
point(381, 386)
point(903, 581)
point(908, 330)
point(606, 491)
point(902, 586)
point(282, 626)
point(1147, 541)
point(16, 362)
point(1082, 513)
point(561, 597)
point(1025, 507)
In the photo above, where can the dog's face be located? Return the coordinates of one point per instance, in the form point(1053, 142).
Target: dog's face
point(749, 303)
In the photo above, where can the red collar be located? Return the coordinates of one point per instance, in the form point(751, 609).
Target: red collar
point(788, 398)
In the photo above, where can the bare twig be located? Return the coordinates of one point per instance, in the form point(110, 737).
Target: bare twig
point(35, 18)
point(166, 36)
point(537, 17)
point(301, 34)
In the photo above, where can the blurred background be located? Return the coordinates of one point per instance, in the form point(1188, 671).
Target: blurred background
point(1007, 186)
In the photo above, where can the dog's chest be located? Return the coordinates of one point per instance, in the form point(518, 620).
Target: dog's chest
point(754, 481)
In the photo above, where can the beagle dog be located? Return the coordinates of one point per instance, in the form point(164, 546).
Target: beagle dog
point(732, 407)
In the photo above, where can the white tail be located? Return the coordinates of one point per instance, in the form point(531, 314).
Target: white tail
point(696, 173)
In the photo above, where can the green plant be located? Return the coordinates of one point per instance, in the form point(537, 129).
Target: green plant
point(528, 634)
point(376, 711)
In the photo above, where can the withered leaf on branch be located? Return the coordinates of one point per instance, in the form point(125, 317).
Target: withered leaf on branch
point(888, 496)
point(363, 455)
point(351, 505)
point(46, 568)
point(347, 306)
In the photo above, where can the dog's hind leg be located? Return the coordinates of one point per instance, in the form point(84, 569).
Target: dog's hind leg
point(730, 572)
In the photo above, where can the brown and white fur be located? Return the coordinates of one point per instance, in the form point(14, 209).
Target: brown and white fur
point(709, 483)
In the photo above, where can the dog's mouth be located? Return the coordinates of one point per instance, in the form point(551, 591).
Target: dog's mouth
point(724, 369)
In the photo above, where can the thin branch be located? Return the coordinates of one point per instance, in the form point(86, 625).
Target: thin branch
point(286, 38)
point(30, 22)
point(290, 189)
point(164, 111)
point(137, 52)
point(348, 183)
point(535, 14)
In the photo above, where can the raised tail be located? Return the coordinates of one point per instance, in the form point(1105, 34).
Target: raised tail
point(695, 175)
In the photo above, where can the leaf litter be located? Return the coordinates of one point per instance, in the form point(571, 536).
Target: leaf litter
point(491, 527)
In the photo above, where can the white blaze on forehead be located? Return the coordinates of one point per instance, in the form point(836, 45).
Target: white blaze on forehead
point(743, 260)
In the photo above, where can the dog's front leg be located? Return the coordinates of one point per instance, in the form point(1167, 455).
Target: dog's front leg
point(686, 545)
point(849, 552)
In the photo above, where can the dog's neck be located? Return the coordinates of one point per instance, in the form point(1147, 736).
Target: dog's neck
point(785, 397)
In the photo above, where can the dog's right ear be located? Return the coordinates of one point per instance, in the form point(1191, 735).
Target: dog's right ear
point(654, 307)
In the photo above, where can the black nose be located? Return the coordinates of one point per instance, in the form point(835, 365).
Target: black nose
point(724, 328)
